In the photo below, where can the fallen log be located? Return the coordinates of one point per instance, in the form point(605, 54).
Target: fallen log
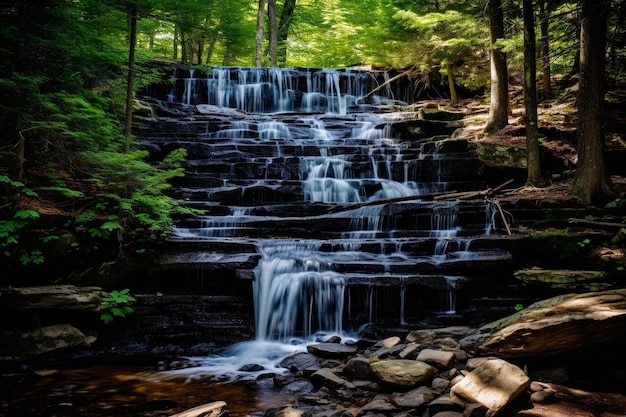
point(445, 195)
point(389, 81)
point(353, 206)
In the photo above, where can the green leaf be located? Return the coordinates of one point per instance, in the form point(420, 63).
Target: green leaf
point(110, 226)
point(26, 214)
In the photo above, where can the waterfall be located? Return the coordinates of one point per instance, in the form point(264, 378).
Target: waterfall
point(295, 170)
point(271, 90)
point(296, 294)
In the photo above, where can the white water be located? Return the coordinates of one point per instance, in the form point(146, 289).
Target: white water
point(298, 300)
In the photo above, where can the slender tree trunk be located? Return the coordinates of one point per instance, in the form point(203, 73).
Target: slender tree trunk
point(175, 52)
point(183, 47)
point(132, 40)
point(210, 49)
point(286, 14)
point(544, 8)
point(530, 96)
point(591, 182)
point(453, 97)
point(273, 32)
point(498, 107)
point(260, 22)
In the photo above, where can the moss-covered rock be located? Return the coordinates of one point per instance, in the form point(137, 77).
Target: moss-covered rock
point(564, 279)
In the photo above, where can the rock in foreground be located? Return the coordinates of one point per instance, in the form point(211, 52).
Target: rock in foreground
point(563, 325)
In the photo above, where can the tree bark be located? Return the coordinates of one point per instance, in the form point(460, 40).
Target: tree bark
point(260, 21)
point(273, 32)
point(286, 14)
point(132, 40)
point(591, 181)
point(546, 82)
point(530, 96)
point(498, 107)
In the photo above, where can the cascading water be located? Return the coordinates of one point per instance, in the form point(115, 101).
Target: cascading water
point(306, 172)
point(297, 294)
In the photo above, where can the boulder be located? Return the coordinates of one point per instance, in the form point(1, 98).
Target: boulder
point(402, 372)
point(300, 362)
point(416, 398)
point(327, 378)
point(564, 279)
point(358, 368)
point(16, 344)
point(563, 325)
point(495, 384)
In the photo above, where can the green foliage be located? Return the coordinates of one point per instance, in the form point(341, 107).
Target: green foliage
point(518, 307)
point(10, 231)
point(32, 257)
point(583, 243)
point(116, 304)
point(136, 190)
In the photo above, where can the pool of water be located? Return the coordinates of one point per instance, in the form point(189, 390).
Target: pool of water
point(124, 390)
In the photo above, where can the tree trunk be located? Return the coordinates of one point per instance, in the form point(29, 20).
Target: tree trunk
point(498, 107)
point(544, 8)
point(453, 98)
point(273, 32)
point(175, 46)
point(210, 49)
point(283, 30)
point(132, 40)
point(591, 182)
point(260, 21)
point(530, 96)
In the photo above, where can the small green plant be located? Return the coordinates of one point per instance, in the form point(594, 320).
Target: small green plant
point(117, 304)
point(105, 229)
point(32, 257)
point(584, 243)
point(10, 231)
point(518, 307)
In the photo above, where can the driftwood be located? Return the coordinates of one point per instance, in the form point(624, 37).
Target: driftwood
point(389, 81)
point(353, 206)
point(502, 216)
point(446, 195)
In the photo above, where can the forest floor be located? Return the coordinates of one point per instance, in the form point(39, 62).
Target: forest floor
point(557, 121)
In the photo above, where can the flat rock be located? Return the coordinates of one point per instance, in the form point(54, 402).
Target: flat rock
point(403, 372)
point(55, 297)
point(495, 384)
point(566, 324)
point(442, 359)
point(331, 350)
point(564, 279)
point(214, 409)
point(426, 336)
